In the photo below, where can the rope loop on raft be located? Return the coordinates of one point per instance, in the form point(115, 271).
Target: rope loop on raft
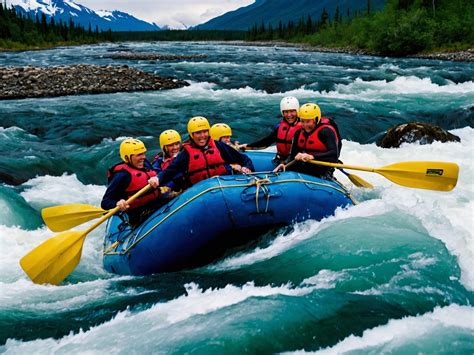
point(260, 183)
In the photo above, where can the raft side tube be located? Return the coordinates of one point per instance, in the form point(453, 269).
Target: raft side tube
point(214, 213)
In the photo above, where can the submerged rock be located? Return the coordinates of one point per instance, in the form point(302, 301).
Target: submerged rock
point(422, 133)
point(24, 82)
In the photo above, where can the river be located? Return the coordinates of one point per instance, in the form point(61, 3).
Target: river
point(393, 274)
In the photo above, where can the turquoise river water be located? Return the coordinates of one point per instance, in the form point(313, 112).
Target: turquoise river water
point(393, 274)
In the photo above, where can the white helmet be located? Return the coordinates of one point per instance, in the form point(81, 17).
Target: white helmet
point(289, 103)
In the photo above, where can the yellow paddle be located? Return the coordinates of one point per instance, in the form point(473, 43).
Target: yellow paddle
point(430, 175)
point(63, 217)
point(53, 260)
point(357, 180)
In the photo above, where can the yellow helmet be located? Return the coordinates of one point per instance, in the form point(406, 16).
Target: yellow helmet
point(220, 130)
point(197, 124)
point(169, 136)
point(129, 147)
point(310, 111)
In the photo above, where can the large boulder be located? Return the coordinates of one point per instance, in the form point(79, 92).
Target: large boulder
point(422, 133)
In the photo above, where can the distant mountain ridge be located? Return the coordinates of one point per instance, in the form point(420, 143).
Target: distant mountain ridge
point(272, 11)
point(66, 9)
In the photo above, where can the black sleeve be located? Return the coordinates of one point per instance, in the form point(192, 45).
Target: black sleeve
point(179, 166)
point(116, 190)
point(231, 156)
point(327, 136)
point(266, 141)
point(294, 147)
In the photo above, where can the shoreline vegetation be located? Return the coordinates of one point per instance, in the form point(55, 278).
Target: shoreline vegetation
point(430, 29)
point(404, 28)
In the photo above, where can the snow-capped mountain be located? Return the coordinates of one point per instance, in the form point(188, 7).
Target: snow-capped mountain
point(67, 9)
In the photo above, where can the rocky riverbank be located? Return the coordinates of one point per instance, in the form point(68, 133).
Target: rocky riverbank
point(25, 82)
point(458, 56)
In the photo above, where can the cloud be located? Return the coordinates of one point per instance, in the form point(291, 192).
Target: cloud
point(173, 13)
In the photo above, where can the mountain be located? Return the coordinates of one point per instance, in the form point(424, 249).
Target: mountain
point(66, 9)
point(272, 11)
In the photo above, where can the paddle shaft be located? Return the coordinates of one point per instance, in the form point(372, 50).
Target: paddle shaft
point(116, 209)
point(337, 165)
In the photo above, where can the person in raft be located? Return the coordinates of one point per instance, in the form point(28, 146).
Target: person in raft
point(202, 157)
point(222, 132)
point(170, 143)
point(318, 139)
point(127, 178)
point(283, 132)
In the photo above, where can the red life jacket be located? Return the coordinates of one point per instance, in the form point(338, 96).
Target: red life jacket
point(204, 163)
point(139, 180)
point(285, 136)
point(164, 162)
point(310, 143)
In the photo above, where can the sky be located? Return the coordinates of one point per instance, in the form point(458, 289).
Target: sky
point(174, 13)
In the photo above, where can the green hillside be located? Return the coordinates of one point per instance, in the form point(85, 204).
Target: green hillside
point(403, 27)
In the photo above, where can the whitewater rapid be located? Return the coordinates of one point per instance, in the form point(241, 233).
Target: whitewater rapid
point(446, 216)
point(397, 251)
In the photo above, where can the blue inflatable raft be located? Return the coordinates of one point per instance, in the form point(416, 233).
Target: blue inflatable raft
point(217, 214)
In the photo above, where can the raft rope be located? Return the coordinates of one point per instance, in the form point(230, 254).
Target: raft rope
point(111, 247)
point(188, 201)
point(260, 183)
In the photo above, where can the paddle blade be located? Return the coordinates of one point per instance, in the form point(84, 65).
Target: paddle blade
point(439, 176)
point(53, 260)
point(359, 182)
point(64, 217)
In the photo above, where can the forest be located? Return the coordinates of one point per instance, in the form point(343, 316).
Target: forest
point(403, 27)
point(22, 32)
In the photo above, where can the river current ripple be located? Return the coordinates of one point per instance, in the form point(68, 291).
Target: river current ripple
point(392, 274)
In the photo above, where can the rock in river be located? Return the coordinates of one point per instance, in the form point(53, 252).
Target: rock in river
point(423, 133)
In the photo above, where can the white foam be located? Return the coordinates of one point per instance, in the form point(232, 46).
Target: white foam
point(404, 85)
point(19, 242)
point(389, 66)
point(359, 90)
point(324, 279)
point(447, 216)
point(417, 262)
point(48, 190)
point(25, 296)
point(406, 330)
point(144, 326)
point(13, 131)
